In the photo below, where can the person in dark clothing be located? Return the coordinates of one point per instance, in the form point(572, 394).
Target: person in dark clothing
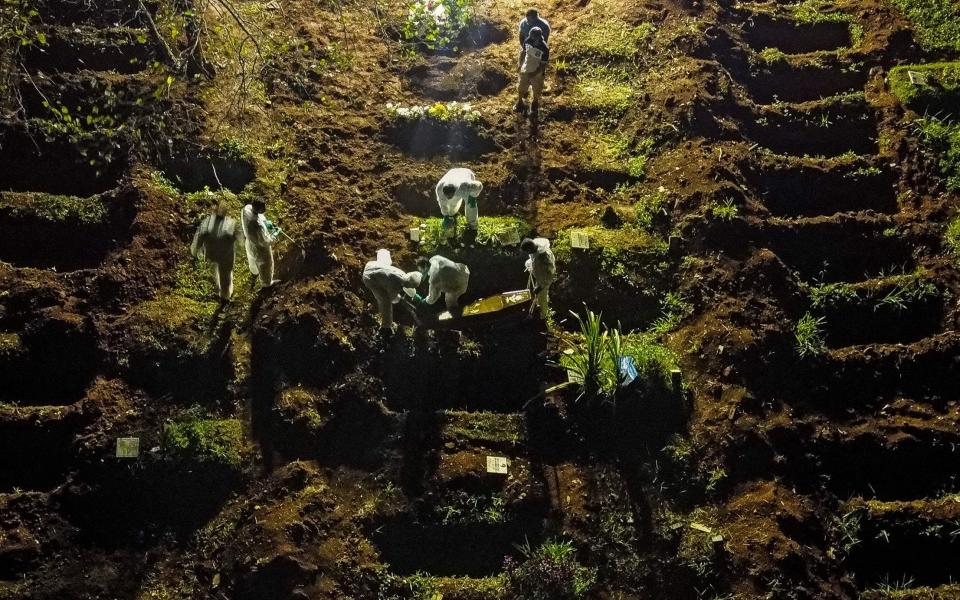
point(529, 22)
point(533, 66)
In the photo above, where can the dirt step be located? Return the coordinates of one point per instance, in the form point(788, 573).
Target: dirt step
point(926, 369)
point(36, 445)
point(61, 232)
point(916, 543)
point(35, 163)
point(803, 81)
point(826, 130)
point(76, 48)
point(790, 189)
point(895, 592)
point(791, 37)
point(899, 310)
point(845, 247)
point(99, 13)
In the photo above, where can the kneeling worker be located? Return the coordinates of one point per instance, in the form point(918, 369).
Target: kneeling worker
point(387, 283)
point(259, 241)
point(215, 241)
point(542, 266)
point(459, 186)
point(444, 277)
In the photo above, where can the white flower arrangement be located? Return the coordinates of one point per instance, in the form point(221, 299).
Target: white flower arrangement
point(439, 111)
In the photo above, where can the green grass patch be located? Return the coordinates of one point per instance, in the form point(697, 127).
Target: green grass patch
point(619, 251)
point(57, 209)
point(936, 86)
point(491, 231)
point(608, 39)
point(937, 22)
point(944, 138)
point(617, 152)
point(952, 235)
point(818, 11)
point(198, 439)
point(603, 89)
point(809, 335)
point(484, 427)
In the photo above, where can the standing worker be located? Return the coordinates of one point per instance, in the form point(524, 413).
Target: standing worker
point(387, 283)
point(215, 242)
point(459, 186)
point(260, 241)
point(444, 277)
point(533, 66)
point(542, 266)
point(531, 20)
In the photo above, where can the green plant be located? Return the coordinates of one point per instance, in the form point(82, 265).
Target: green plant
point(944, 137)
point(440, 112)
point(952, 235)
point(549, 572)
point(724, 211)
point(197, 438)
point(436, 24)
point(491, 231)
point(809, 335)
point(929, 88)
point(607, 39)
point(585, 362)
point(771, 56)
point(937, 22)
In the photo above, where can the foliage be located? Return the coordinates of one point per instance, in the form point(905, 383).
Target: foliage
point(550, 572)
point(616, 151)
point(603, 91)
point(627, 252)
point(936, 88)
point(684, 473)
point(439, 112)
point(937, 22)
point(952, 235)
point(461, 507)
point(593, 358)
point(20, 25)
point(491, 231)
point(944, 137)
point(487, 427)
point(894, 291)
point(197, 438)
point(809, 335)
point(58, 209)
point(436, 24)
point(771, 56)
point(818, 11)
point(608, 38)
point(724, 211)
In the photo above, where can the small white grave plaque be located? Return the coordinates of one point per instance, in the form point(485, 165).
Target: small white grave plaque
point(511, 238)
point(128, 447)
point(580, 240)
point(415, 234)
point(497, 464)
point(917, 78)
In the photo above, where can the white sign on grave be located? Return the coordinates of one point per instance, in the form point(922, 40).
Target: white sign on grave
point(579, 240)
point(497, 464)
point(917, 78)
point(128, 447)
point(415, 234)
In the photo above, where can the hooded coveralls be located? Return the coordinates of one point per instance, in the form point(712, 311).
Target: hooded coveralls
point(386, 283)
point(468, 190)
point(259, 245)
point(215, 241)
point(542, 265)
point(448, 278)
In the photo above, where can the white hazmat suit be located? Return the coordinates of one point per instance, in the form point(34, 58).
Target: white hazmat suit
point(259, 245)
point(215, 242)
point(387, 283)
point(448, 278)
point(542, 265)
point(468, 190)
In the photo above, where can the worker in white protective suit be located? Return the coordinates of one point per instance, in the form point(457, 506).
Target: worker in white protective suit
point(542, 266)
point(444, 277)
point(215, 241)
point(458, 187)
point(387, 284)
point(260, 240)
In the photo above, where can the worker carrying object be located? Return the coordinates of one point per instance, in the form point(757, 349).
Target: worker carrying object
point(459, 186)
point(529, 21)
point(215, 242)
point(533, 67)
point(542, 266)
point(260, 240)
point(387, 284)
point(444, 277)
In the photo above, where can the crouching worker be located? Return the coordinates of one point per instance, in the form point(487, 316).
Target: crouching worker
point(260, 241)
point(459, 186)
point(542, 266)
point(215, 242)
point(387, 283)
point(445, 277)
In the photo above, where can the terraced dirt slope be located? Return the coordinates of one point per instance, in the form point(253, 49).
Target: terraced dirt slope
point(763, 215)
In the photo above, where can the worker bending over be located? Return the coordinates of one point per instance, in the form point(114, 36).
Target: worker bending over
point(215, 242)
point(444, 277)
point(459, 186)
point(260, 241)
point(387, 283)
point(542, 266)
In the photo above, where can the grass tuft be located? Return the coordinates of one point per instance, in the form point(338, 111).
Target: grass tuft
point(937, 22)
